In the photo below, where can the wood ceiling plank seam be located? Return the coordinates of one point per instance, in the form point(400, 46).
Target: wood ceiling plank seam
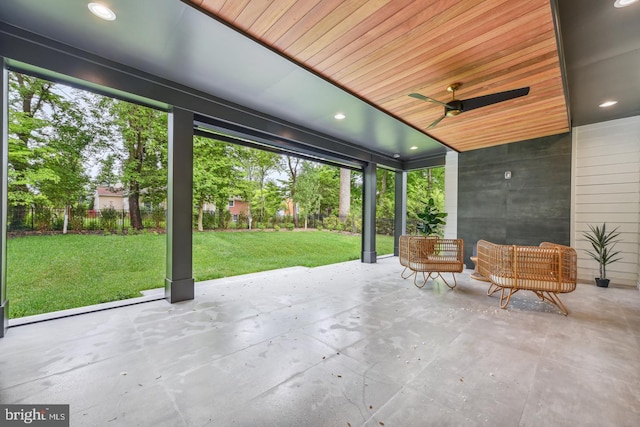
point(429, 33)
point(363, 33)
point(305, 24)
point(455, 48)
point(252, 12)
point(487, 66)
point(270, 17)
point(380, 36)
point(231, 9)
point(345, 31)
point(287, 21)
point(212, 6)
point(323, 26)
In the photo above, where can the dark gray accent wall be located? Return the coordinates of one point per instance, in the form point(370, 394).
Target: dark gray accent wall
point(532, 207)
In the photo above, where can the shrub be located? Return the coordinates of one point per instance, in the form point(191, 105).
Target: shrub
point(319, 227)
point(233, 225)
point(43, 218)
point(340, 226)
point(208, 220)
point(158, 216)
point(276, 228)
point(331, 222)
point(290, 226)
point(108, 218)
point(76, 220)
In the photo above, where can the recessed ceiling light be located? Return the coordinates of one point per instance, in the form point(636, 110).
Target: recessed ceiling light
point(413, 148)
point(102, 11)
point(396, 156)
point(624, 3)
point(339, 116)
point(607, 104)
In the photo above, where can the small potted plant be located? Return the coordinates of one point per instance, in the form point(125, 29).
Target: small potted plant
point(431, 220)
point(603, 244)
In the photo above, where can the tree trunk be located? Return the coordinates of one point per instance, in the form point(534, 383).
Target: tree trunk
point(134, 207)
point(345, 194)
point(200, 216)
point(65, 223)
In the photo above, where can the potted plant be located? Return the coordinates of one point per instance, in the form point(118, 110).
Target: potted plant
point(431, 219)
point(603, 244)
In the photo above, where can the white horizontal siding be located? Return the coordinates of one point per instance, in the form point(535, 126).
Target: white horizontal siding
point(451, 195)
point(606, 188)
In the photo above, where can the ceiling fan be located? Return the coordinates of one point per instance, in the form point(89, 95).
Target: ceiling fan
point(457, 106)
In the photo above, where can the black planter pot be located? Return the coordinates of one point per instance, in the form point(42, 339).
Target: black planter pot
point(602, 283)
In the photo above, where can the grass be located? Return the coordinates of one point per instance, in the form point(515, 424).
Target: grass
point(50, 273)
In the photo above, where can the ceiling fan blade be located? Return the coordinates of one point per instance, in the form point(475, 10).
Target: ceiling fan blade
point(434, 124)
point(426, 98)
point(494, 98)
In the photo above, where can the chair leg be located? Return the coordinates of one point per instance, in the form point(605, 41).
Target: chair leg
point(505, 300)
point(406, 277)
point(554, 299)
point(447, 283)
point(424, 282)
point(493, 288)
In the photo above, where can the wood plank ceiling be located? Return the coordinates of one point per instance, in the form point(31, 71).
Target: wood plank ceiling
point(382, 50)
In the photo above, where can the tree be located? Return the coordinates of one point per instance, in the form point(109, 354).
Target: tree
point(143, 134)
point(50, 139)
point(71, 140)
point(256, 166)
point(291, 166)
point(214, 176)
point(308, 189)
point(29, 98)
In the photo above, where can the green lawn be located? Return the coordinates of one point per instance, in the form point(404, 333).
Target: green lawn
point(50, 273)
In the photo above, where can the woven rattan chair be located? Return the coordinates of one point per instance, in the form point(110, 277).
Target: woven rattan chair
point(547, 270)
point(431, 256)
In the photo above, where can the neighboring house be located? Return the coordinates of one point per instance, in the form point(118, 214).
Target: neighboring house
point(236, 207)
point(110, 197)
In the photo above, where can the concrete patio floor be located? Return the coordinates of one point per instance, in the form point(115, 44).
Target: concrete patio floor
point(348, 344)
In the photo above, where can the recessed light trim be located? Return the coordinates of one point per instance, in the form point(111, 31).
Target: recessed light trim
point(624, 3)
point(413, 147)
point(102, 11)
point(339, 116)
point(607, 104)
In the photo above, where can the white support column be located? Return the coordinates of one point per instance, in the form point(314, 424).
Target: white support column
point(400, 214)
